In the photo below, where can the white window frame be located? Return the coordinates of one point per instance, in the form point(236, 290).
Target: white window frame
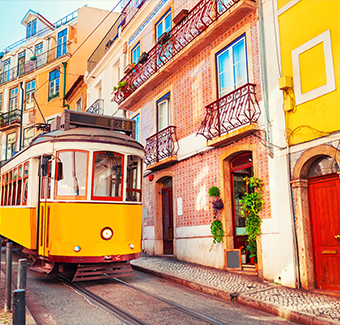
point(13, 99)
point(53, 85)
point(29, 103)
point(325, 39)
point(164, 100)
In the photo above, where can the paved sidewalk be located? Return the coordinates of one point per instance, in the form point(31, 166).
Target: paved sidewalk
point(293, 304)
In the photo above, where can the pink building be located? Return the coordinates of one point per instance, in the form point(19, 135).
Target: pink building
point(196, 94)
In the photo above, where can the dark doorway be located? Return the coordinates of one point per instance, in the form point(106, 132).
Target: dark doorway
point(167, 216)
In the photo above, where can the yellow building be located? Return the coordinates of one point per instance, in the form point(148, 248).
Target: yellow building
point(37, 72)
point(309, 42)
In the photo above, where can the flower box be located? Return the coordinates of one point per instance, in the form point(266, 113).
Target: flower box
point(163, 38)
point(143, 58)
point(181, 16)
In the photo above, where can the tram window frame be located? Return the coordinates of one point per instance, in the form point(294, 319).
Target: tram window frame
point(56, 184)
point(108, 198)
point(6, 189)
point(25, 179)
point(10, 181)
point(15, 186)
point(20, 182)
point(46, 180)
point(133, 184)
point(3, 180)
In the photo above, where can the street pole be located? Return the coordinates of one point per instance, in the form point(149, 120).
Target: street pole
point(19, 309)
point(8, 285)
point(22, 273)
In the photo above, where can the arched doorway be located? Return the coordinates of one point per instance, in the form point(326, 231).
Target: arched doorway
point(167, 216)
point(324, 205)
point(240, 167)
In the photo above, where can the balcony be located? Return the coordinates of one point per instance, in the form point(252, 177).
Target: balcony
point(231, 116)
point(186, 39)
point(97, 107)
point(10, 119)
point(34, 63)
point(161, 149)
point(104, 45)
point(130, 10)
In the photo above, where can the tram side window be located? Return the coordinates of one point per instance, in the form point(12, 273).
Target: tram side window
point(73, 184)
point(6, 189)
point(3, 190)
point(46, 182)
point(19, 191)
point(107, 176)
point(25, 184)
point(133, 189)
point(15, 179)
point(10, 181)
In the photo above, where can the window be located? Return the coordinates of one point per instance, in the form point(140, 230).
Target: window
point(163, 25)
point(13, 99)
point(136, 118)
point(1, 102)
point(10, 144)
point(163, 112)
point(21, 63)
point(45, 191)
point(107, 176)
point(31, 28)
point(135, 54)
point(232, 67)
point(30, 88)
point(133, 189)
point(38, 48)
point(79, 105)
point(7, 65)
point(73, 185)
point(19, 191)
point(62, 42)
point(28, 136)
point(25, 184)
point(54, 84)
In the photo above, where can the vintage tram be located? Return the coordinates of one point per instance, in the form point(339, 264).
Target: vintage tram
point(72, 199)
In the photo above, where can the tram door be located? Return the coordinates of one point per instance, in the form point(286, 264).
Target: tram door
point(44, 216)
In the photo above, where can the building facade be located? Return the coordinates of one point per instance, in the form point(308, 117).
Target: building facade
point(308, 58)
point(193, 81)
point(38, 71)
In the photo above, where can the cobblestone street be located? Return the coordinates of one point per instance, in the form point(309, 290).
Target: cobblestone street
point(293, 304)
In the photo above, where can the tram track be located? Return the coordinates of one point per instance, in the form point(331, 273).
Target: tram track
point(128, 318)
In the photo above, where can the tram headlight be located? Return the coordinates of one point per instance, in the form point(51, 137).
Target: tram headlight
point(131, 246)
point(77, 249)
point(106, 233)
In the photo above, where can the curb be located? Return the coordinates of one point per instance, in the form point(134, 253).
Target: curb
point(243, 299)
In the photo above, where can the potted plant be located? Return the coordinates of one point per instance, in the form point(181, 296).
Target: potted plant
point(251, 206)
point(243, 255)
point(120, 86)
point(216, 226)
point(143, 58)
point(163, 38)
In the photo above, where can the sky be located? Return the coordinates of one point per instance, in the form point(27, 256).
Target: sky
point(13, 11)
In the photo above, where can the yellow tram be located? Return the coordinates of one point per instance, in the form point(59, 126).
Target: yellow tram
point(73, 198)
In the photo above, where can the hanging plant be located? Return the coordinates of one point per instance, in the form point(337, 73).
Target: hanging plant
point(251, 206)
point(217, 232)
point(216, 226)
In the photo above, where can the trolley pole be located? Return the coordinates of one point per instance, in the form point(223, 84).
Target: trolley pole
point(8, 278)
point(22, 273)
point(19, 312)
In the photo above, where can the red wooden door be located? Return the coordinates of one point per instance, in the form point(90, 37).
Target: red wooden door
point(324, 202)
point(167, 220)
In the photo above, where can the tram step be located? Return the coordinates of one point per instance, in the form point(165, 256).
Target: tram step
point(87, 272)
point(43, 266)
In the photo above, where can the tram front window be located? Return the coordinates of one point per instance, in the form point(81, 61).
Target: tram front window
point(107, 176)
point(133, 189)
point(73, 184)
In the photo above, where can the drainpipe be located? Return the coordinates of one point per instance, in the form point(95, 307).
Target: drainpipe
point(64, 104)
point(263, 60)
point(22, 112)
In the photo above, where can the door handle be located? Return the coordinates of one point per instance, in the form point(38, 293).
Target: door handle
point(337, 237)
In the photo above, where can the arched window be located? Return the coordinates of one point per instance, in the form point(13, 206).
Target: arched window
point(322, 166)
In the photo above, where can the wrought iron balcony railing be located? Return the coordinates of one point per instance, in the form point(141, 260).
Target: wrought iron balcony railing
point(104, 45)
point(97, 107)
point(236, 109)
point(162, 145)
point(34, 63)
point(43, 31)
point(10, 118)
point(199, 18)
point(130, 11)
